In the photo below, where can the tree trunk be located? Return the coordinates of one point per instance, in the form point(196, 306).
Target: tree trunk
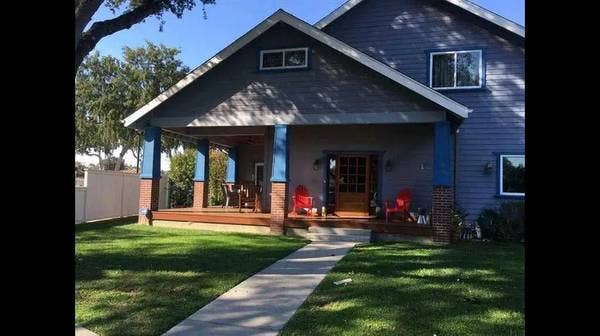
point(118, 164)
point(100, 29)
point(84, 11)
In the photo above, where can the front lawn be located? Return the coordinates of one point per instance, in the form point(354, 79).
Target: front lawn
point(140, 280)
point(413, 289)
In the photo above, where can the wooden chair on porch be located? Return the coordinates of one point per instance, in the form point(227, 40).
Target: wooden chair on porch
point(231, 193)
point(401, 205)
point(250, 197)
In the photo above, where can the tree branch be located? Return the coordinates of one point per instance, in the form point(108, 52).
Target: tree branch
point(100, 29)
point(84, 11)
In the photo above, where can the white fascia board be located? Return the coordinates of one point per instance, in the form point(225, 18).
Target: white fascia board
point(466, 5)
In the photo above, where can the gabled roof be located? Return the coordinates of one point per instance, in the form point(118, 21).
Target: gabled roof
point(463, 4)
point(282, 16)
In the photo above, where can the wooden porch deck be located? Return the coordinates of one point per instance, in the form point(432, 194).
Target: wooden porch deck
point(219, 215)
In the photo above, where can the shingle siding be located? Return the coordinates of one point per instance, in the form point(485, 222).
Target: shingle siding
point(401, 33)
point(235, 92)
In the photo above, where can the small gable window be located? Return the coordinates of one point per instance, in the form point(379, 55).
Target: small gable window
point(511, 175)
point(456, 69)
point(296, 58)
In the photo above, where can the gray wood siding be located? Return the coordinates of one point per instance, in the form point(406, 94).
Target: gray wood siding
point(334, 90)
point(401, 32)
point(407, 146)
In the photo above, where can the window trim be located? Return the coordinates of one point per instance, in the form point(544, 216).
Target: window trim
point(283, 66)
point(456, 52)
point(500, 176)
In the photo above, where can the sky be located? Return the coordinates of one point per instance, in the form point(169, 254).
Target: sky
point(199, 39)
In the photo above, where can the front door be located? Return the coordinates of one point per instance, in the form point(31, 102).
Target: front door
point(353, 172)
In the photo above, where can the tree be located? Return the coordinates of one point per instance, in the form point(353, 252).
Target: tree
point(181, 178)
point(216, 171)
point(107, 90)
point(134, 11)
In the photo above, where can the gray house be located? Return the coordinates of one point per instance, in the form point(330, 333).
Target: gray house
point(377, 97)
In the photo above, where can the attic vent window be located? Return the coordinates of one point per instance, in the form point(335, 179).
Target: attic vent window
point(296, 58)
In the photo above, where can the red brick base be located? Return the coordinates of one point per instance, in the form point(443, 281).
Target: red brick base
point(441, 212)
point(200, 195)
point(279, 206)
point(149, 189)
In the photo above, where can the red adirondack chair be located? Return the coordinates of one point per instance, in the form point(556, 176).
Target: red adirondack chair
point(301, 200)
point(401, 205)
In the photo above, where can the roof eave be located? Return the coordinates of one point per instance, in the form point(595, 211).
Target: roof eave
point(465, 5)
point(320, 36)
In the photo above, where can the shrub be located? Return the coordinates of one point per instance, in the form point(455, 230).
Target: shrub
point(217, 171)
point(504, 224)
point(181, 178)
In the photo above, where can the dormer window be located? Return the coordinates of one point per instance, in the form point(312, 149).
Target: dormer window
point(296, 58)
point(456, 69)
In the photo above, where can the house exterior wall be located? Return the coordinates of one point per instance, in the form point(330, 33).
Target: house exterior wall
point(401, 33)
point(334, 90)
point(406, 145)
point(248, 155)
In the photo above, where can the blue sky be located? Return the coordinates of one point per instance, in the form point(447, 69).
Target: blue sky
point(200, 39)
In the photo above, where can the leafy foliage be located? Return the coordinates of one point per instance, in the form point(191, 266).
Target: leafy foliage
point(108, 90)
point(79, 169)
point(131, 12)
point(505, 224)
point(458, 216)
point(217, 172)
point(181, 178)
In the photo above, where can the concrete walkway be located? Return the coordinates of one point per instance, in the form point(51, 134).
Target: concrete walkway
point(262, 304)
point(81, 331)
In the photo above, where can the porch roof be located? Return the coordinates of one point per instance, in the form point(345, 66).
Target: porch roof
point(282, 16)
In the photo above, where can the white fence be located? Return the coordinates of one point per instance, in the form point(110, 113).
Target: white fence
point(109, 194)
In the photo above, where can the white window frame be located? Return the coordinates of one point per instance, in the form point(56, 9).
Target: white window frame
point(501, 175)
point(283, 66)
point(455, 52)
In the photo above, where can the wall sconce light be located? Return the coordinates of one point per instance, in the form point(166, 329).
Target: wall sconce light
point(317, 164)
point(487, 169)
point(388, 166)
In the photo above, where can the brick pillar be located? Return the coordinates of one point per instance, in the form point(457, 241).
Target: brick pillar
point(279, 206)
point(149, 190)
point(200, 195)
point(201, 175)
point(441, 211)
point(150, 176)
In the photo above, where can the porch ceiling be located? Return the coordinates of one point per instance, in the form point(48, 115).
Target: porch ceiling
point(225, 136)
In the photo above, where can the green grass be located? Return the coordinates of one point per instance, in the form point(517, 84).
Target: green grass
point(140, 280)
point(413, 289)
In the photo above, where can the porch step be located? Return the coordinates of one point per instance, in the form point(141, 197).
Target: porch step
point(340, 231)
point(330, 234)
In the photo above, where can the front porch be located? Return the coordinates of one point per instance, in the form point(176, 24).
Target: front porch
point(350, 172)
point(232, 216)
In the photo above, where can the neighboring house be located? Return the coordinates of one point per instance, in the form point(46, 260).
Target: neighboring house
point(378, 96)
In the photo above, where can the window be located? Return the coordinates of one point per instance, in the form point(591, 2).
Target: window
point(456, 69)
point(284, 59)
point(512, 175)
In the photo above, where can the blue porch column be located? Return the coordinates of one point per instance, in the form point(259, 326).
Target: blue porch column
point(150, 176)
point(442, 194)
point(279, 180)
point(231, 165)
point(200, 199)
